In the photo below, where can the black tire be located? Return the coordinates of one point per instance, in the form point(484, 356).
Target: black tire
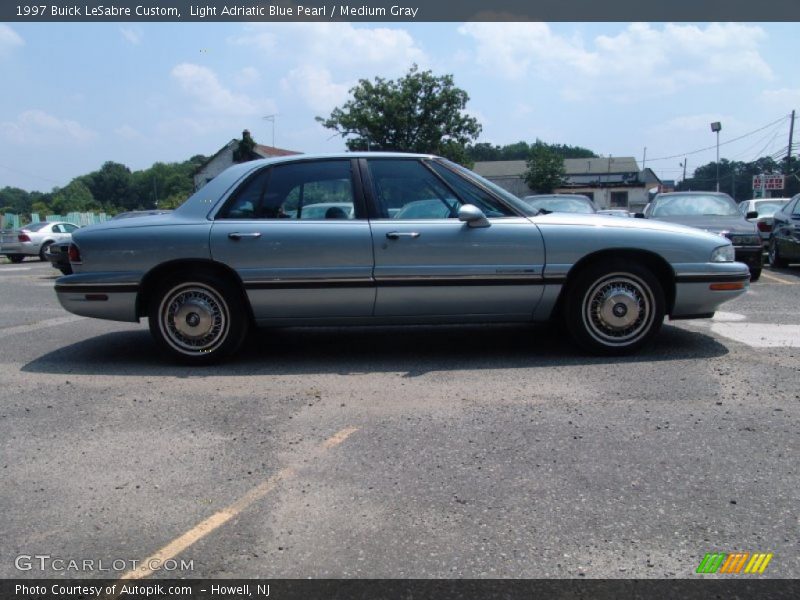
point(16, 258)
point(212, 319)
point(43, 249)
point(614, 308)
point(65, 270)
point(755, 274)
point(775, 259)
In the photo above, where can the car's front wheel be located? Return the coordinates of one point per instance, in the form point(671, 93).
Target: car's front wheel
point(614, 308)
point(775, 259)
point(755, 274)
point(198, 320)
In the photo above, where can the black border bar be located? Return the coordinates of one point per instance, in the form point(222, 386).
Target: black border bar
point(403, 11)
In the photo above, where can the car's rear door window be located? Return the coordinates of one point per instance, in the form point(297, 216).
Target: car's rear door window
point(303, 190)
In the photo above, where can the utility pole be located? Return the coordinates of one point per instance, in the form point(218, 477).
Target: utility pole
point(644, 158)
point(789, 149)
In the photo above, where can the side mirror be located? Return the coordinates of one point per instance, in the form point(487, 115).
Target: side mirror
point(473, 216)
point(638, 215)
point(751, 214)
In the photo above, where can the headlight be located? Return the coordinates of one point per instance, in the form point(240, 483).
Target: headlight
point(744, 240)
point(723, 254)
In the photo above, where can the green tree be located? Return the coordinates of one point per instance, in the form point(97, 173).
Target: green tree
point(75, 197)
point(111, 186)
point(545, 169)
point(419, 112)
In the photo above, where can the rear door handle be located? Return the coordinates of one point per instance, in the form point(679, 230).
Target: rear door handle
point(396, 235)
point(250, 234)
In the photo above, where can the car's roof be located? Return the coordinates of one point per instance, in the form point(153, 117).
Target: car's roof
point(320, 155)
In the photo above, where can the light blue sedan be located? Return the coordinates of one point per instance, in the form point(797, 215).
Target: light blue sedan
point(235, 256)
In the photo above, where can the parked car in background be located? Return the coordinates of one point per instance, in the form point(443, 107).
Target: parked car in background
point(58, 255)
point(784, 242)
point(34, 238)
point(765, 207)
point(570, 203)
point(225, 261)
point(615, 212)
point(716, 213)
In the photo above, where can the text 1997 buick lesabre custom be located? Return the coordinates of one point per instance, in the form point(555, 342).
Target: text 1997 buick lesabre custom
point(387, 239)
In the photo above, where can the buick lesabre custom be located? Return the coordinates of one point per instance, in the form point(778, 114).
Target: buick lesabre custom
point(426, 241)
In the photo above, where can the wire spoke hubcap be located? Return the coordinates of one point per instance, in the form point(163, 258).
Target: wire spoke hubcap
point(194, 318)
point(618, 309)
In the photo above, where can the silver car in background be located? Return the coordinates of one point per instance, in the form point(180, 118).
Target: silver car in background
point(766, 209)
point(232, 257)
point(33, 239)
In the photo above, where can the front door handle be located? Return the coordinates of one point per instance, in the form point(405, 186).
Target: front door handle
point(396, 235)
point(237, 235)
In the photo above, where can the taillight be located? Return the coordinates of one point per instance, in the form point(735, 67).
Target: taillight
point(23, 237)
point(74, 254)
point(764, 226)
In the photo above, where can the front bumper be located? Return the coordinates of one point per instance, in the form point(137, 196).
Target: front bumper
point(695, 293)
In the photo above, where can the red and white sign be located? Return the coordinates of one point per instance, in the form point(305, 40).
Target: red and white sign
point(768, 182)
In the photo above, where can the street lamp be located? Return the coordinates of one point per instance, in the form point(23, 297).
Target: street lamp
point(716, 126)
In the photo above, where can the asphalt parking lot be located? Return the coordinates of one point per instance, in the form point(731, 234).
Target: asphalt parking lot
point(398, 452)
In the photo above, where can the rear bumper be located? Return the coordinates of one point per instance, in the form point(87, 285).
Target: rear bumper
point(752, 256)
point(111, 297)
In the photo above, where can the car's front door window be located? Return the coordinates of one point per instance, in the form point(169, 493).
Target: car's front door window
point(406, 189)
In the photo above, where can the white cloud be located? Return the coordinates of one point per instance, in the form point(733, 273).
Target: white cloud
point(783, 98)
point(38, 128)
point(339, 45)
point(9, 39)
point(211, 97)
point(325, 60)
point(643, 60)
point(700, 123)
point(316, 87)
point(247, 76)
point(133, 36)
point(129, 133)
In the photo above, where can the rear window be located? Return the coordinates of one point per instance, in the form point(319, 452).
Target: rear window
point(36, 226)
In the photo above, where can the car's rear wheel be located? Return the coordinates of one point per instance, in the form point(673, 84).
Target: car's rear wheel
point(775, 259)
point(755, 274)
point(198, 320)
point(16, 258)
point(43, 251)
point(614, 308)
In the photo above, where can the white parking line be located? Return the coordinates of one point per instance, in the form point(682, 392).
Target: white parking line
point(755, 335)
point(8, 331)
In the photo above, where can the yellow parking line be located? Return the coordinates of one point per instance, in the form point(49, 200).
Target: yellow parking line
point(221, 517)
point(778, 279)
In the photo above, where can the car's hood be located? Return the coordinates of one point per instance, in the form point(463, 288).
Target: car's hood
point(713, 224)
point(607, 221)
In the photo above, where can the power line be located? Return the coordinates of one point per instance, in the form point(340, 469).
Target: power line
point(7, 168)
point(706, 149)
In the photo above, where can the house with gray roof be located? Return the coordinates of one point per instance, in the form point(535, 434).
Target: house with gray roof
point(235, 151)
point(612, 182)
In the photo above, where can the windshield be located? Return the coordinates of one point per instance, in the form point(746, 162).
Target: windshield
point(694, 205)
point(769, 208)
point(560, 204)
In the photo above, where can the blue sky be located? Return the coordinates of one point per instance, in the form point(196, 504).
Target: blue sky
point(76, 95)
